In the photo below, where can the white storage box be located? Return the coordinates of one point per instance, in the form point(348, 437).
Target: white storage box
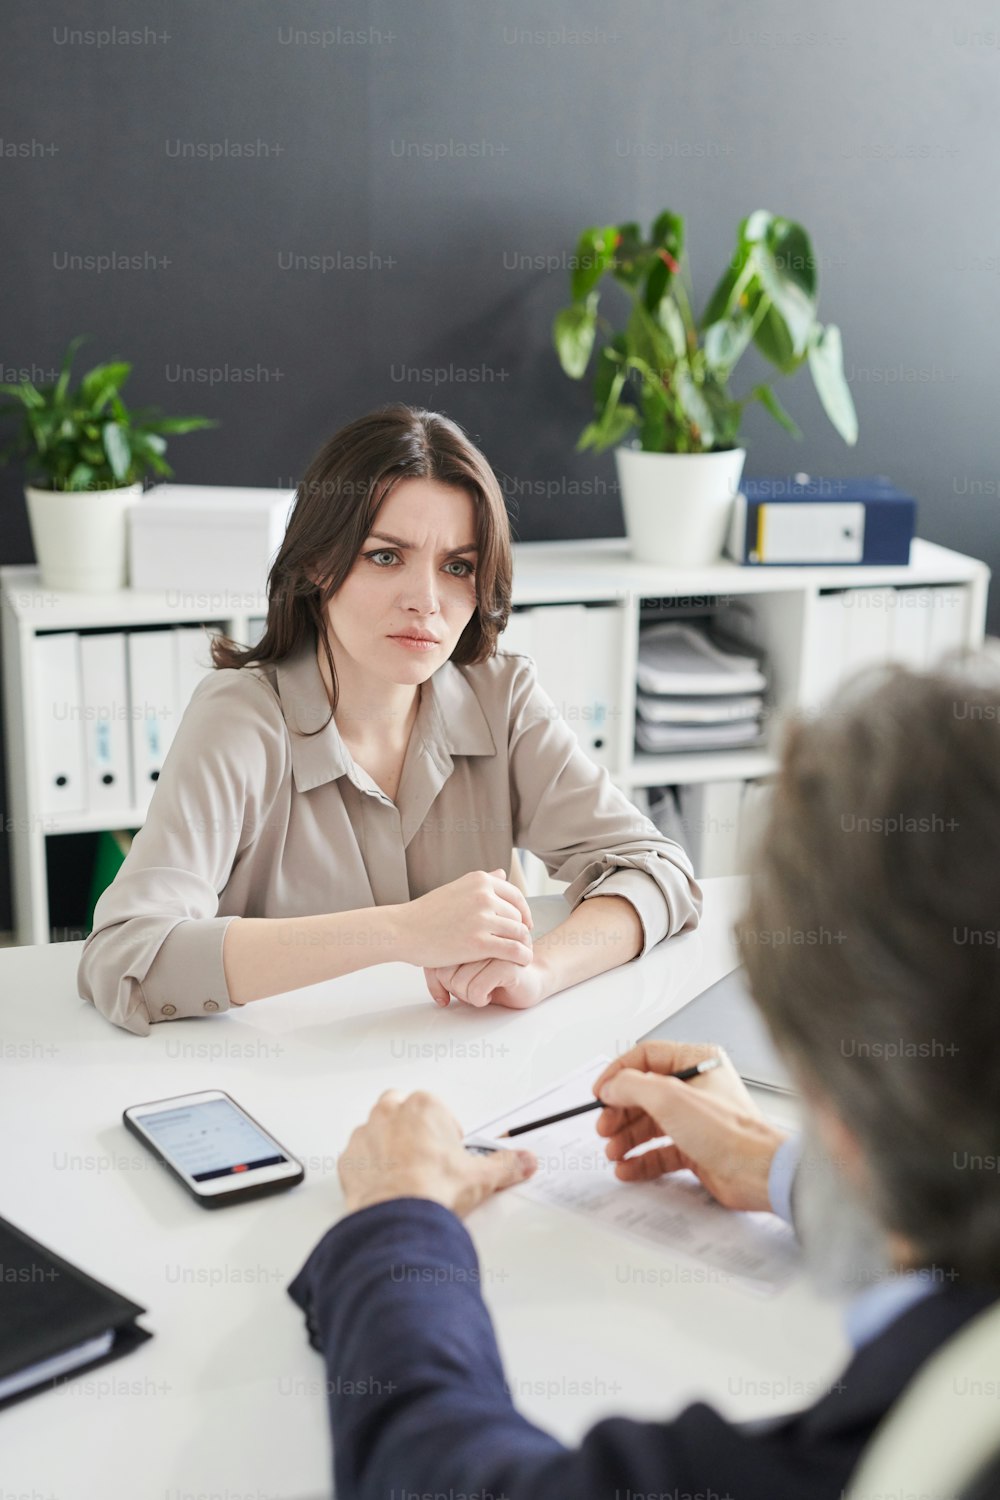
point(205, 538)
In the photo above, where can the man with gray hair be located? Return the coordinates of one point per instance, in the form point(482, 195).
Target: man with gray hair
point(884, 827)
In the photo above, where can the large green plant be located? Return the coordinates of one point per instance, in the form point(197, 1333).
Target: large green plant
point(666, 373)
point(86, 438)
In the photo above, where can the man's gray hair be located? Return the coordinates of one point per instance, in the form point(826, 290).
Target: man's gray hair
point(872, 943)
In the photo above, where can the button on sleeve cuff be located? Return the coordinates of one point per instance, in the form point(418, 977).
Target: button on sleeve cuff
point(187, 977)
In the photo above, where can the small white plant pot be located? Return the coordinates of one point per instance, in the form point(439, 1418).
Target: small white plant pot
point(81, 539)
point(678, 506)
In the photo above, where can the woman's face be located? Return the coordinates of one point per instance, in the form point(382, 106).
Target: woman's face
point(415, 576)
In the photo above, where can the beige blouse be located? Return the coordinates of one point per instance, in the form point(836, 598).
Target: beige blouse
point(250, 819)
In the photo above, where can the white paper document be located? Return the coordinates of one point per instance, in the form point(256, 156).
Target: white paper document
point(674, 1213)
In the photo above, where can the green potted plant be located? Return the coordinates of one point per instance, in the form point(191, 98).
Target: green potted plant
point(663, 379)
point(86, 455)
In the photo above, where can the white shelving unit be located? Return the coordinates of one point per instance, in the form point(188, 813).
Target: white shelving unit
point(784, 607)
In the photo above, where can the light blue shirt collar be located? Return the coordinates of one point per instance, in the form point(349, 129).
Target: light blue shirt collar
point(872, 1311)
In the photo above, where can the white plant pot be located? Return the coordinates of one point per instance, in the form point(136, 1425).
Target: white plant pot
point(81, 538)
point(677, 505)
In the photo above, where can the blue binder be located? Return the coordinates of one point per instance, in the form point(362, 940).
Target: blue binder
point(807, 520)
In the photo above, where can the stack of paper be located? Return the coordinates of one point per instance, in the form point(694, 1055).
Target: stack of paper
point(693, 694)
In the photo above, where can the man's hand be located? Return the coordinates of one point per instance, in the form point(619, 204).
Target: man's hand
point(715, 1129)
point(495, 981)
point(411, 1147)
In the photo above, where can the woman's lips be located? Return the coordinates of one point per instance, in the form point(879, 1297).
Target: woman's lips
point(413, 643)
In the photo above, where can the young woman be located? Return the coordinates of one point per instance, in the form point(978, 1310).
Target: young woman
point(352, 789)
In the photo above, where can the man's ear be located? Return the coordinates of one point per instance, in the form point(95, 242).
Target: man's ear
point(841, 1143)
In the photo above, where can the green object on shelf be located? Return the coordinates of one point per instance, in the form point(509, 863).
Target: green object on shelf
point(112, 846)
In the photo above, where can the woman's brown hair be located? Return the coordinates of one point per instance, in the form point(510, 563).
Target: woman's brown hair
point(336, 503)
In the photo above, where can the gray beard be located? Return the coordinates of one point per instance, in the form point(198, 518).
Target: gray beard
point(843, 1244)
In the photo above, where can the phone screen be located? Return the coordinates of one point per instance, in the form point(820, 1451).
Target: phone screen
point(210, 1139)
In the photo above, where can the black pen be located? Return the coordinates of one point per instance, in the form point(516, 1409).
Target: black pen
point(705, 1066)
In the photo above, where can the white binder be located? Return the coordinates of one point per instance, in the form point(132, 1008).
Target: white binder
point(106, 722)
point(194, 661)
point(710, 817)
point(910, 628)
point(576, 650)
point(152, 680)
point(59, 725)
point(869, 618)
point(947, 630)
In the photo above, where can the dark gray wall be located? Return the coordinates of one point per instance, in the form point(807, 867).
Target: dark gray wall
point(448, 145)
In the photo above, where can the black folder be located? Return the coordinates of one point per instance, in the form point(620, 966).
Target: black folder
point(51, 1309)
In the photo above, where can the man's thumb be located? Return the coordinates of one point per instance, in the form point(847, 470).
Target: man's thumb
point(505, 1168)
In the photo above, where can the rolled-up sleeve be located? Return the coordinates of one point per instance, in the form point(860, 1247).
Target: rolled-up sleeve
point(568, 811)
point(155, 951)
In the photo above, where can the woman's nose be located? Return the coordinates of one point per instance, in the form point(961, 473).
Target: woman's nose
point(420, 593)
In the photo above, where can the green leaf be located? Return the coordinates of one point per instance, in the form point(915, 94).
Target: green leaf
point(726, 413)
point(668, 233)
point(31, 395)
point(792, 253)
point(612, 422)
point(631, 255)
point(667, 245)
point(697, 411)
point(783, 267)
point(101, 383)
point(573, 331)
point(725, 341)
point(62, 385)
point(116, 446)
point(81, 477)
point(773, 339)
point(16, 392)
point(657, 281)
point(789, 302)
point(670, 320)
point(770, 402)
point(179, 424)
point(826, 363)
point(594, 254)
point(649, 341)
point(609, 433)
point(609, 363)
point(731, 287)
point(655, 412)
point(755, 226)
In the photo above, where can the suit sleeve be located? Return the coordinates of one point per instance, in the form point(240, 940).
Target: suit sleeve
point(419, 1406)
point(155, 951)
point(567, 810)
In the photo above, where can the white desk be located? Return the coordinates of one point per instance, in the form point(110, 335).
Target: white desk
point(227, 1398)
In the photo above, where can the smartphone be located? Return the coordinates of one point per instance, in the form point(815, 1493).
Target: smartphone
point(218, 1151)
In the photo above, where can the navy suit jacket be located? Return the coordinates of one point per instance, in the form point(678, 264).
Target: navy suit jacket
point(418, 1403)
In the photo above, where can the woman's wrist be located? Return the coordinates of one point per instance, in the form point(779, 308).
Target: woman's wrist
point(542, 961)
point(392, 932)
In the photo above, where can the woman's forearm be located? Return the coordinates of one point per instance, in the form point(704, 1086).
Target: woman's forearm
point(265, 956)
point(603, 932)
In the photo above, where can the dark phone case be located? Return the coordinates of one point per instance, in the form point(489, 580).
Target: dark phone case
point(237, 1194)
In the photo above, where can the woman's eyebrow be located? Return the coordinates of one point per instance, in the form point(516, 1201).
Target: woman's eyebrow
point(396, 541)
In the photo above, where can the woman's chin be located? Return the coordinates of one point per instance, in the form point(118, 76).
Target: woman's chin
point(403, 666)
